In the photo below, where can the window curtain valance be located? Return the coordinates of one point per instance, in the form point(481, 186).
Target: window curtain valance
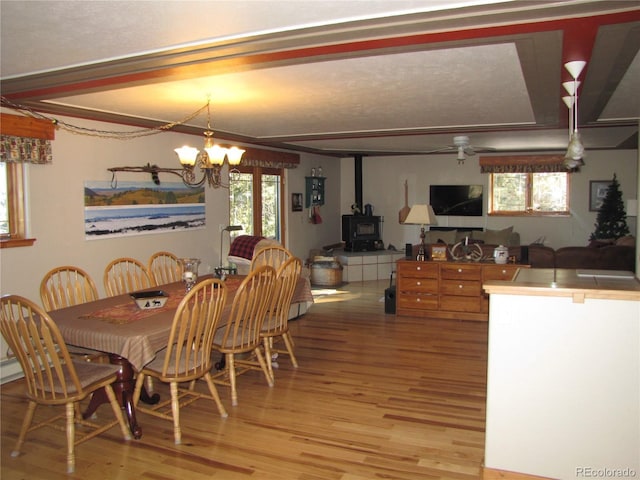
point(25, 150)
point(256, 157)
point(25, 139)
point(522, 164)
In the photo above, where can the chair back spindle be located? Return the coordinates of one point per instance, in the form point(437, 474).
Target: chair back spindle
point(274, 255)
point(66, 286)
point(164, 268)
point(125, 275)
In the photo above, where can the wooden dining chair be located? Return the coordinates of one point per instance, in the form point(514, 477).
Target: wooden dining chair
point(164, 267)
point(276, 323)
point(274, 255)
point(66, 286)
point(125, 275)
point(51, 377)
point(241, 334)
point(188, 354)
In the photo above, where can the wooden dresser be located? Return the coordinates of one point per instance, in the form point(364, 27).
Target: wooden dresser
point(447, 289)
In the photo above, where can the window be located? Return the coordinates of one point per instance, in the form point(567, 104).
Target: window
point(256, 201)
point(545, 193)
point(527, 184)
point(12, 206)
point(25, 140)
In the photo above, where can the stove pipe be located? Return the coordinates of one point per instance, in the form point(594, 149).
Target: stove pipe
point(358, 181)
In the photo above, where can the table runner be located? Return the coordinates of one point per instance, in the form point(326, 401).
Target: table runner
point(129, 312)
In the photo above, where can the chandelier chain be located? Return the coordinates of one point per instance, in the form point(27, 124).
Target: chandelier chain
point(113, 134)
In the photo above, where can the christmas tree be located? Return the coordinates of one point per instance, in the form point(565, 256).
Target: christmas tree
point(611, 222)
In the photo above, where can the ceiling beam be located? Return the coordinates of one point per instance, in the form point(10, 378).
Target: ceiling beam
point(286, 48)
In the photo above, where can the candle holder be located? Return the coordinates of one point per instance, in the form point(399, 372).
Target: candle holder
point(189, 272)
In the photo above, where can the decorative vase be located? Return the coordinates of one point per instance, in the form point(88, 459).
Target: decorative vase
point(189, 271)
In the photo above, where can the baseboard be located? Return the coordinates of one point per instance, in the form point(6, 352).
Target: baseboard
point(495, 474)
point(10, 370)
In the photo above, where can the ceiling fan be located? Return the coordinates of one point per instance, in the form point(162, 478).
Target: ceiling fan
point(461, 145)
point(463, 148)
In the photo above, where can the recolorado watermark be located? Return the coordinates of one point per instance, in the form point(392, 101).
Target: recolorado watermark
point(605, 472)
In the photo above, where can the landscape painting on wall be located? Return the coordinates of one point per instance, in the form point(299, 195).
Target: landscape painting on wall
point(137, 208)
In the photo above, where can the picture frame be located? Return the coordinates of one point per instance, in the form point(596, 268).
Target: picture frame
point(438, 253)
point(296, 202)
point(597, 192)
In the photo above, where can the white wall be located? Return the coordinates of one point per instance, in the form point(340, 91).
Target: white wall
point(563, 386)
point(383, 187)
point(302, 234)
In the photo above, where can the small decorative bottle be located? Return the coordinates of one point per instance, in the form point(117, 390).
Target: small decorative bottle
point(313, 172)
point(320, 171)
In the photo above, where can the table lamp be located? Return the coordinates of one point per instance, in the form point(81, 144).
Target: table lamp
point(421, 215)
point(229, 228)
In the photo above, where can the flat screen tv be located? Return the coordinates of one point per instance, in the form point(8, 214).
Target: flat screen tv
point(461, 200)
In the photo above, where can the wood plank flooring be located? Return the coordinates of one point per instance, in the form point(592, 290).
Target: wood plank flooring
point(375, 396)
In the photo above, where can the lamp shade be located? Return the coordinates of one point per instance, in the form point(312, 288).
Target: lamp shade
point(421, 215)
point(216, 154)
point(234, 155)
point(575, 150)
point(187, 155)
point(575, 68)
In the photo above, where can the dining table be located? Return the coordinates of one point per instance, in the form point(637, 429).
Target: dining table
point(132, 336)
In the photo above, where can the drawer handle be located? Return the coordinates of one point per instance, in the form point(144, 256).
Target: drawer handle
point(504, 272)
point(418, 300)
point(459, 270)
point(460, 286)
point(418, 268)
point(418, 283)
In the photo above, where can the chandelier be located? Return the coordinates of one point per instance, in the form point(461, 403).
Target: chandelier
point(575, 150)
point(210, 160)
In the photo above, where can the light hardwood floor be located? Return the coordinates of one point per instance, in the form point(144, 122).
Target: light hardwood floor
point(375, 396)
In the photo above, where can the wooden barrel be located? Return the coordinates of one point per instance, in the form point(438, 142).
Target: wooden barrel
point(326, 274)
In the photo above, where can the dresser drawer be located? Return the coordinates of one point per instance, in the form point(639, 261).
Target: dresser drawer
point(498, 272)
point(456, 303)
point(466, 288)
point(418, 285)
point(418, 301)
point(417, 270)
point(461, 271)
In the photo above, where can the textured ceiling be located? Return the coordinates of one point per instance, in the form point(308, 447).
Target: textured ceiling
point(341, 78)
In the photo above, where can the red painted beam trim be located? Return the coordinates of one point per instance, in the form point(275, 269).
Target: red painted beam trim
point(576, 30)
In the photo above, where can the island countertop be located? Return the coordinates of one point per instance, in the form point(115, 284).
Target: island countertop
point(579, 284)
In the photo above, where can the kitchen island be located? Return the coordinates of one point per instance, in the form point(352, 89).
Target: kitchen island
point(563, 379)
